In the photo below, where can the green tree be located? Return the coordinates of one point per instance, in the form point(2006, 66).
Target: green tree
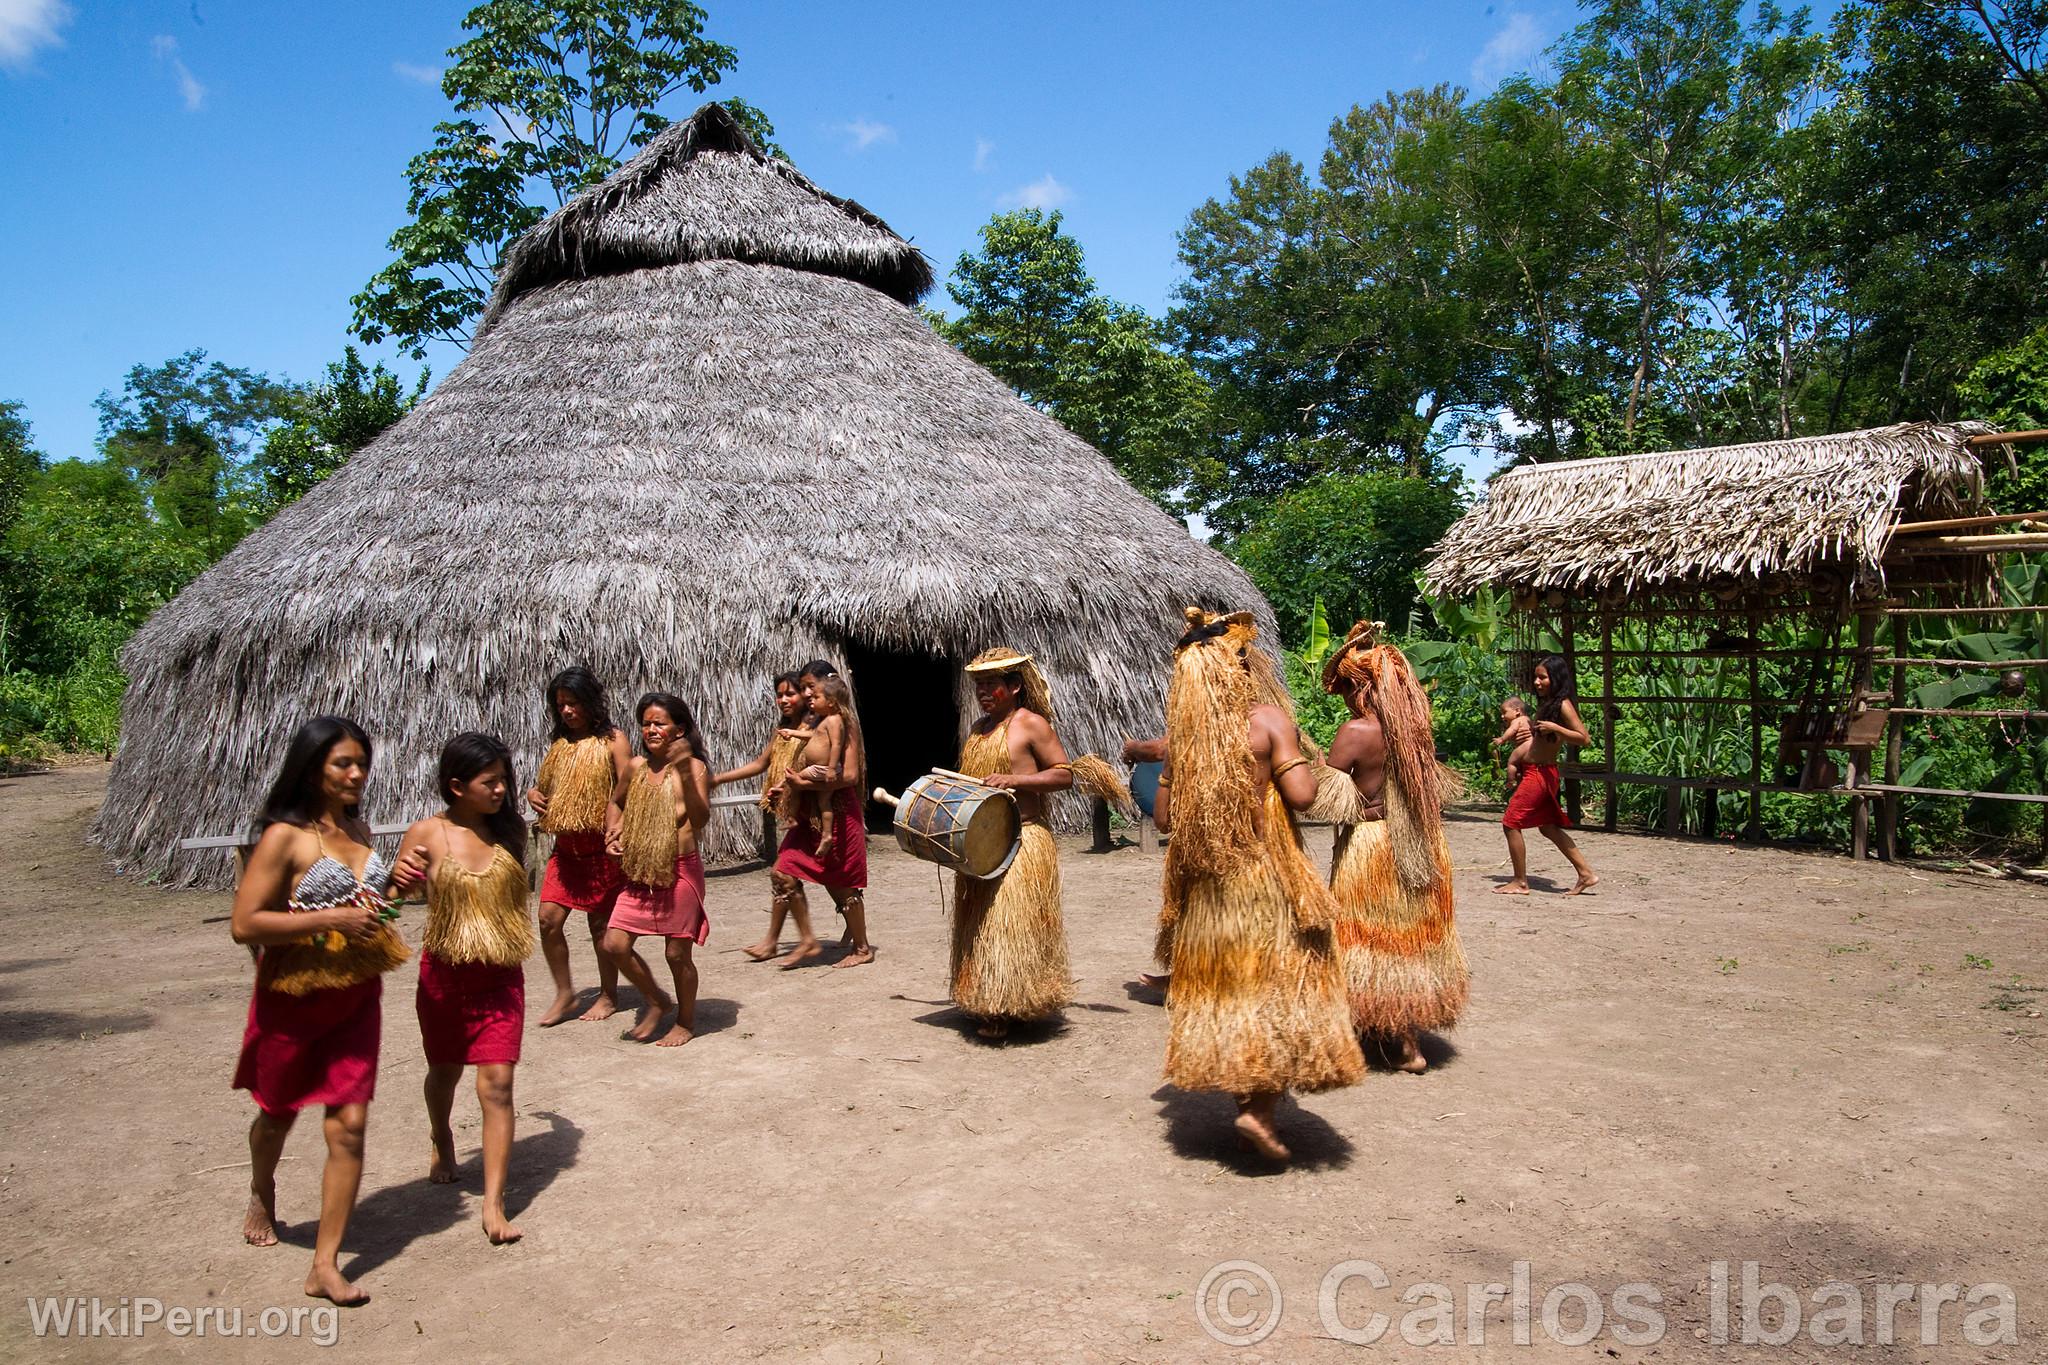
point(328, 422)
point(20, 461)
point(1352, 541)
point(555, 95)
point(2010, 388)
point(1030, 312)
point(184, 430)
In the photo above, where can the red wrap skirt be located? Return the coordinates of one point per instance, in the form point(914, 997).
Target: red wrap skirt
point(1534, 804)
point(581, 875)
point(471, 1013)
point(844, 866)
point(318, 1048)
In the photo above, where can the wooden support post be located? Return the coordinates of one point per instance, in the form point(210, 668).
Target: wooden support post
point(1859, 805)
point(1612, 814)
point(1098, 820)
point(1754, 831)
point(1573, 789)
point(1674, 811)
point(1894, 748)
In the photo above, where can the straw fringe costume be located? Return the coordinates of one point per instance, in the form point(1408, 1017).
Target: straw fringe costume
point(577, 776)
point(664, 892)
point(1256, 1003)
point(1397, 937)
point(471, 1000)
point(1009, 942)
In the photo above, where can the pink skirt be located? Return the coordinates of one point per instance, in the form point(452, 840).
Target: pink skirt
point(667, 911)
point(470, 1012)
point(321, 1048)
point(844, 866)
point(581, 875)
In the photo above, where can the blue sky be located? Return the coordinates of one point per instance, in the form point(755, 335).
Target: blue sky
point(200, 173)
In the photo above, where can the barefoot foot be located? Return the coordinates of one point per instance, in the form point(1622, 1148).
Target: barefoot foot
point(760, 952)
point(1262, 1138)
point(1585, 883)
point(676, 1036)
point(441, 1169)
point(498, 1227)
point(649, 1022)
point(601, 1009)
point(807, 951)
point(1512, 889)
point(1157, 981)
point(259, 1224)
point(1409, 1058)
point(994, 1028)
point(859, 957)
point(325, 1282)
point(557, 1012)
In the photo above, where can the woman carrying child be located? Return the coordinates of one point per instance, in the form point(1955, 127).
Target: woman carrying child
point(1535, 802)
point(471, 1001)
point(656, 827)
point(833, 766)
point(312, 907)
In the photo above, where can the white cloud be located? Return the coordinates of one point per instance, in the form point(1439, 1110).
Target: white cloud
point(166, 49)
point(1518, 43)
point(1042, 193)
point(983, 150)
point(26, 25)
point(866, 134)
point(413, 71)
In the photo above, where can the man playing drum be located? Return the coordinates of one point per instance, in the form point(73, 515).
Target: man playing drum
point(1009, 943)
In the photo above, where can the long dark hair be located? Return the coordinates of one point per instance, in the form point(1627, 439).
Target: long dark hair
point(295, 796)
point(794, 679)
point(1562, 689)
point(679, 712)
point(580, 683)
point(467, 755)
point(820, 669)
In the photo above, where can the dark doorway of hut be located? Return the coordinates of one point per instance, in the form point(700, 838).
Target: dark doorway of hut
point(908, 718)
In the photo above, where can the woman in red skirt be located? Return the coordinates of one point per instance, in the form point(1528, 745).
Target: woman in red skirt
point(584, 768)
point(311, 905)
point(1534, 804)
point(472, 993)
point(833, 762)
point(667, 803)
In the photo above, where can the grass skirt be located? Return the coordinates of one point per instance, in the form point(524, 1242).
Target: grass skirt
point(1403, 967)
point(1009, 942)
point(1257, 999)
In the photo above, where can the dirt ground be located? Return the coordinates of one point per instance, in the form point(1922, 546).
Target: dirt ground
point(1726, 1055)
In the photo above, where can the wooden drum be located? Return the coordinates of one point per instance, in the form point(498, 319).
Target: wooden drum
point(957, 822)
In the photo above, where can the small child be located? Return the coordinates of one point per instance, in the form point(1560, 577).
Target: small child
point(1518, 734)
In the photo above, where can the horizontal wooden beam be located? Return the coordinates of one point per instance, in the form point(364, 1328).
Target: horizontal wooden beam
point(207, 841)
point(1911, 528)
point(2006, 438)
point(1978, 713)
point(1923, 547)
point(1893, 788)
point(1999, 664)
point(1965, 611)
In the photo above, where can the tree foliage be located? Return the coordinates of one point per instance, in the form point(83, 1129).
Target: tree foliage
point(1031, 313)
point(552, 96)
point(326, 423)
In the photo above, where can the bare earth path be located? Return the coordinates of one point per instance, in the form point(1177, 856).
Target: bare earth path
point(1833, 1071)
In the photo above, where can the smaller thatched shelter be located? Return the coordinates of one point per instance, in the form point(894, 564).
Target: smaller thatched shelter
point(1659, 571)
point(1813, 508)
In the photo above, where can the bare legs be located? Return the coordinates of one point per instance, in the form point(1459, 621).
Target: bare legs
point(778, 911)
point(1518, 855)
point(339, 1180)
point(608, 969)
point(790, 892)
point(684, 969)
point(1255, 1124)
point(616, 948)
point(266, 1147)
point(554, 946)
point(494, 1094)
point(853, 904)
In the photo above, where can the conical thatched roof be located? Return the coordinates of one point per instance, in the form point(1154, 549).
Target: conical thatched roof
point(1684, 517)
point(700, 439)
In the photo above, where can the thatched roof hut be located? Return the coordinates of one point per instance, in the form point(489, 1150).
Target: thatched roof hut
point(701, 436)
point(1817, 506)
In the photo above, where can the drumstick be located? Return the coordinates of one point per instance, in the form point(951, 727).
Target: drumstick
point(884, 797)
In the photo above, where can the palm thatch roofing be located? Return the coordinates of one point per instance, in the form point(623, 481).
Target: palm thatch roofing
point(1816, 505)
point(700, 438)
